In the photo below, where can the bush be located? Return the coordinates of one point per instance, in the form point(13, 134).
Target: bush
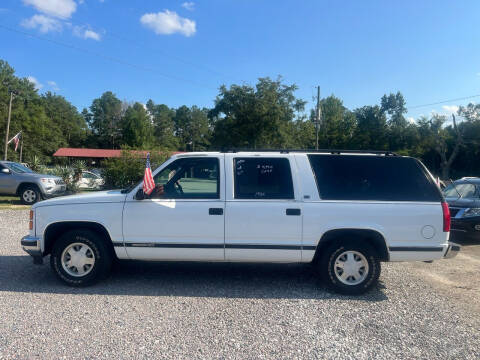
point(128, 169)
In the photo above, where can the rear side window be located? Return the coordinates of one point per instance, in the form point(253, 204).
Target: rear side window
point(263, 178)
point(356, 177)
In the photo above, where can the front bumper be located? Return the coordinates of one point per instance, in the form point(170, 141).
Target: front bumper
point(31, 245)
point(452, 250)
point(55, 190)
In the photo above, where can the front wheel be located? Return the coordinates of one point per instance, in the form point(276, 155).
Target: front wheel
point(350, 268)
point(29, 195)
point(80, 258)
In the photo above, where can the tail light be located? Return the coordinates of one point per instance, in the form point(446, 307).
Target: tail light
point(446, 217)
point(30, 224)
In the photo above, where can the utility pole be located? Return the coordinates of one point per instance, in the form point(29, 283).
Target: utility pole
point(8, 126)
point(318, 117)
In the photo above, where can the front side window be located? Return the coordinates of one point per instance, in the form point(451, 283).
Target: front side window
point(195, 178)
point(263, 178)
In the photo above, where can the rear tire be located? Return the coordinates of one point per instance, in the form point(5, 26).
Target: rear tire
point(80, 258)
point(29, 195)
point(349, 267)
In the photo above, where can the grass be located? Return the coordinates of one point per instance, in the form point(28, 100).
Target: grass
point(12, 203)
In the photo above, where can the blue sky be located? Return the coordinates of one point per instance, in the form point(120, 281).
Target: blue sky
point(180, 52)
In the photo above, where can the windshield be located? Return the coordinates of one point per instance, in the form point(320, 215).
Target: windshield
point(463, 190)
point(18, 168)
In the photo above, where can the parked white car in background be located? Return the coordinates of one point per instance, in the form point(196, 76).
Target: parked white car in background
point(90, 181)
point(345, 212)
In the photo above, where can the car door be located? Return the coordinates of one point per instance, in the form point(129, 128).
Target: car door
point(8, 183)
point(263, 217)
point(184, 217)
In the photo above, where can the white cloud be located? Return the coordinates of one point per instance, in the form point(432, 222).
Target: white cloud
point(57, 8)
point(35, 82)
point(450, 109)
point(43, 23)
point(411, 120)
point(86, 33)
point(189, 5)
point(168, 22)
point(53, 85)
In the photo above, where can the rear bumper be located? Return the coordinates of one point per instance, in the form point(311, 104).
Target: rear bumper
point(452, 250)
point(31, 245)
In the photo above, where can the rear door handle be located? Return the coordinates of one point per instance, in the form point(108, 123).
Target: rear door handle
point(293, 212)
point(215, 211)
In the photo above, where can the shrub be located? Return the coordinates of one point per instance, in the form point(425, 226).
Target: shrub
point(129, 168)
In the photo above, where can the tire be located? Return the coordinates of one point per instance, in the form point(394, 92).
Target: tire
point(29, 195)
point(349, 268)
point(80, 258)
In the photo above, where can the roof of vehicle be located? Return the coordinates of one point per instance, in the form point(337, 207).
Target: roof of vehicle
point(287, 151)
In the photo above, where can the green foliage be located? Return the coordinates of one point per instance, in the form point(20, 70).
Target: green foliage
point(129, 168)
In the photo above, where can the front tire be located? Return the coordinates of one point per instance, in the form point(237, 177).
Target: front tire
point(350, 268)
point(29, 195)
point(80, 258)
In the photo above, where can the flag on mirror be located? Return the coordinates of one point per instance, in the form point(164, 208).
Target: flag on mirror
point(16, 140)
point(148, 183)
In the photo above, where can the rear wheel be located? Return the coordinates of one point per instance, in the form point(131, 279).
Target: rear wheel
point(349, 267)
point(80, 258)
point(29, 195)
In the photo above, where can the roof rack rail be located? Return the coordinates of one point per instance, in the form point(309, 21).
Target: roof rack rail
point(327, 151)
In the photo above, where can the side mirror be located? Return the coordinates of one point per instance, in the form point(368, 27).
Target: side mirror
point(140, 195)
point(5, 171)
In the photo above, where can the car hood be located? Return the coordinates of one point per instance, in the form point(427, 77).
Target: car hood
point(38, 176)
point(86, 198)
point(462, 203)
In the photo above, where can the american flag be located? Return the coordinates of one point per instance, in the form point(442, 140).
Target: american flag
point(16, 140)
point(148, 183)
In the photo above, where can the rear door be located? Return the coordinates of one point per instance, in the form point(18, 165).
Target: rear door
point(263, 217)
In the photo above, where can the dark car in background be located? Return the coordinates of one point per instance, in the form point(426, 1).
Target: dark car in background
point(463, 198)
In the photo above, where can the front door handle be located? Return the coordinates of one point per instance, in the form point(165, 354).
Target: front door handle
point(293, 212)
point(215, 211)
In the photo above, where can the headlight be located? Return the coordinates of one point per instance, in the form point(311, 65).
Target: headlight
point(471, 212)
point(47, 181)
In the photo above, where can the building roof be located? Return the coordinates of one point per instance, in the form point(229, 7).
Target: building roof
point(95, 153)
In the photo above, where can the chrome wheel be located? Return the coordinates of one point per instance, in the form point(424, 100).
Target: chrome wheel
point(78, 259)
point(351, 267)
point(29, 196)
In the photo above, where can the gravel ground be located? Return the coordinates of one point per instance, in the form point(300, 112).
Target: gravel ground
point(180, 310)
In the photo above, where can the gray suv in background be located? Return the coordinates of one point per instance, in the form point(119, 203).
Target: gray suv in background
point(16, 179)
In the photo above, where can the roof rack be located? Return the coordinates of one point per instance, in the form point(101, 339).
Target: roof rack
point(324, 151)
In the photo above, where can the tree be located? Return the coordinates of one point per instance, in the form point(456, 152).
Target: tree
point(244, 116)
point(137, 128)
point(371, 129)
point(66, 117)
point(164, 125)
point(105, 119)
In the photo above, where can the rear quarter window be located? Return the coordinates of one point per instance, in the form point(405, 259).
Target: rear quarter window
point(383, 178)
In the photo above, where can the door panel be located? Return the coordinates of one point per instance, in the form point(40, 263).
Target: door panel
point(173, 230)
point(262, 231)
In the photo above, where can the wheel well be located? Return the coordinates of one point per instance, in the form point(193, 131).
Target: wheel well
point(55, 230)
point(374, 238)
point(22, 186)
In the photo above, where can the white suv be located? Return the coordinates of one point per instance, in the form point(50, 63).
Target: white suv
point(345, 212)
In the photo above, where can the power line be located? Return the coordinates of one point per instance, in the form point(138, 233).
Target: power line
point(106, 57)
point(443, 102)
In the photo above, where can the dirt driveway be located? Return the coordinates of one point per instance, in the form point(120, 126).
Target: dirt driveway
point(457, 278)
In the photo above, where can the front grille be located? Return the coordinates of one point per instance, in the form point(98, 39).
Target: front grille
point(59, 182)
point(454, 211)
